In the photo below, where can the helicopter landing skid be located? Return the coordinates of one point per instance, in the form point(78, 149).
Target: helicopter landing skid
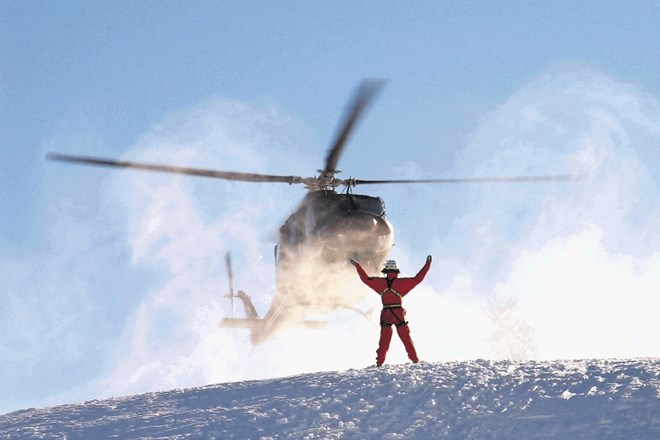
point(261, 323)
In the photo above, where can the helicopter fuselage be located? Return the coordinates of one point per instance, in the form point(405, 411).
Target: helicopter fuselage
point(313, 272)
point(336, 227)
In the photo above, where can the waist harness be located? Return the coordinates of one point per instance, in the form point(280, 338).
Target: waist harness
point(392, 306)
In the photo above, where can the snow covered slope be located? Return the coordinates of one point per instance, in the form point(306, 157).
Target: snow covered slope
point(590, 399)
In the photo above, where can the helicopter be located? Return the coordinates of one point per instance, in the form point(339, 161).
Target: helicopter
point(316, 241)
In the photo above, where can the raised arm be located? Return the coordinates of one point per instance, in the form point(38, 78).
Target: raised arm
point(421, 274)
point(366, 279)
point(363, 275)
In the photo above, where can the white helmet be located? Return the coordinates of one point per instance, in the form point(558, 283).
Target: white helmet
point(390, 266)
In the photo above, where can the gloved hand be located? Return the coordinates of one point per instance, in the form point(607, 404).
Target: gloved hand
point(429, 258)
point(354, 262)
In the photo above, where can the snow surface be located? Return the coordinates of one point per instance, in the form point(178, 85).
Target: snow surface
point(585, 399)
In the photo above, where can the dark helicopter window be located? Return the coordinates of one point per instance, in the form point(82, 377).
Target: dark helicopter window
point(371, 204)
point(333, 202)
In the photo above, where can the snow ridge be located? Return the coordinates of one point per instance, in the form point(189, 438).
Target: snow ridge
point(585, 399)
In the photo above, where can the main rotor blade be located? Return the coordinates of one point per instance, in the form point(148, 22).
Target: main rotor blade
point(227, 175)
point(561, 177)
point(363, 95)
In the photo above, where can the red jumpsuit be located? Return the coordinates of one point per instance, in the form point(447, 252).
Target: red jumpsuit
point(391, 290)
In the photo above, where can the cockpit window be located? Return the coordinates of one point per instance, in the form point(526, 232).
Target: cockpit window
point(371, 204)
point(347, 202)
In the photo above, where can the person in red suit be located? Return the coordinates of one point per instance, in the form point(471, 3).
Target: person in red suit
point(392, 289)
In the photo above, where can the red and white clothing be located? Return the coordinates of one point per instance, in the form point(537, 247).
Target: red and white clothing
point(392, 289)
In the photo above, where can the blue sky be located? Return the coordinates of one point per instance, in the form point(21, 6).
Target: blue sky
point(96, 264)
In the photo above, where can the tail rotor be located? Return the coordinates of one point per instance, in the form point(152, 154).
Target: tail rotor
point(230, 277)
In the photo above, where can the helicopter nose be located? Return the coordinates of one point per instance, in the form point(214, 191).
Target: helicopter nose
point(366, 223)
point(360, 231)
